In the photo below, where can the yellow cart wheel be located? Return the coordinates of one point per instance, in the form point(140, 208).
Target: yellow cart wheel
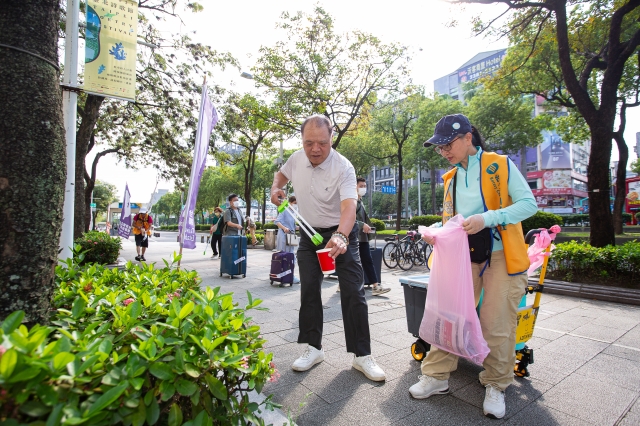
point(418, 351)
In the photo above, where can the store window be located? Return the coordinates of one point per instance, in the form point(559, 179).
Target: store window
point(579, 185)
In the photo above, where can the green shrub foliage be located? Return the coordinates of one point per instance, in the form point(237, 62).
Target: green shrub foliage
point(573, 261)
point(270, 225)
point(378, 224)
point(141, 346)
point(425, 220)
point(541, 220)
point(97, 247)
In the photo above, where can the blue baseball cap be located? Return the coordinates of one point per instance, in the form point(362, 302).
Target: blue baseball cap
point(447, 128)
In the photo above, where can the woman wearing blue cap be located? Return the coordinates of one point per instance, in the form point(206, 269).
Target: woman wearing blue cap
point(490, 192)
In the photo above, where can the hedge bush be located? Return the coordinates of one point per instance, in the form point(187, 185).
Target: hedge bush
point(98, 247)
point(258, 225)
point(270, 225)
point(541, 220)
point(574, 261)
point(425, 220)
point(133, 347)
point(378, 224)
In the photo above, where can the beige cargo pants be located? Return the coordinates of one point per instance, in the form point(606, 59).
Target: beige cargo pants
point(502, 295)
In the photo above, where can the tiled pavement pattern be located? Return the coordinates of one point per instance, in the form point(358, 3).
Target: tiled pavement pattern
point(586, 370)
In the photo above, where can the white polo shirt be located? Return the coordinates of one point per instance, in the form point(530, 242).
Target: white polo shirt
point(320, 190)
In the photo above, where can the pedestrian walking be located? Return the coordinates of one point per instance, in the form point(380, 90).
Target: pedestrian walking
point(216, 233)
point(142, 224)
point(233, 220)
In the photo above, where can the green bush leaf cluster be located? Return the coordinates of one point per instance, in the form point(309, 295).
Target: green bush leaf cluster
point(541, 220)
point(270, 225)
point(97, 247)
point(139, 346)
point(378, 224)
point(574, 261)
point(426, 220)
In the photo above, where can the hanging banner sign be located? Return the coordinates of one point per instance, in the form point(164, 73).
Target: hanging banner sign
point(110, 48)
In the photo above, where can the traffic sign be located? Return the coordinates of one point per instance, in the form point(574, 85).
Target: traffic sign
point(388, 189)
point(93, 205)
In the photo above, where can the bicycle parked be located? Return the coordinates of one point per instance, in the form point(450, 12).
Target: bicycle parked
point(407, 252)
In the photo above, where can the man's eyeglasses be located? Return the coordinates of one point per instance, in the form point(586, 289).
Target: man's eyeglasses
point(445, 148)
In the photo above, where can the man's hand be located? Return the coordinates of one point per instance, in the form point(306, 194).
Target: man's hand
point(277, 195)
point(473, 224)
point(366, 228)
point(337, 246)
point(429, 240)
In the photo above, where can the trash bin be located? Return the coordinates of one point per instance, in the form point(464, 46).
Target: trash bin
point(202, 239)
point(270, 239)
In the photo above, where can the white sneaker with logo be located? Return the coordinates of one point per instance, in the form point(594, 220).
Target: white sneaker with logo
point(368, 366)
point(428, 386)
point(309, 358)
point(379, 290)
point(494, 405)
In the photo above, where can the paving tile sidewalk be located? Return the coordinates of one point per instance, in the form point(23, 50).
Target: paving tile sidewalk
point(586, 370)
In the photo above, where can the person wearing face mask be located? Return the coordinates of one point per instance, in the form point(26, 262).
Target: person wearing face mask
point(364, 230)
point(216, 233)
point(233, 220)
point(287, 225)
point(489, 191)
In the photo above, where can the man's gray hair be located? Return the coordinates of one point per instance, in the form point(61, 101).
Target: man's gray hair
point(319, 120)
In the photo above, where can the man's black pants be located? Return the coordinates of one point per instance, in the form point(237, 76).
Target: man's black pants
point(355, 312)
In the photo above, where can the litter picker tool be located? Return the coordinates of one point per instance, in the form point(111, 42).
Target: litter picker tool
point(308, 229)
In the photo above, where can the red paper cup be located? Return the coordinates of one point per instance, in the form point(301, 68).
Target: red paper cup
point(327, 263)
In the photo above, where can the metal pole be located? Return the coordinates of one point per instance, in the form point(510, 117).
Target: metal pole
point(69, 112)
point(419, 185)
point(281, 158)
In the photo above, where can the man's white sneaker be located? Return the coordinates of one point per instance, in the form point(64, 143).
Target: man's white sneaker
point(378, 290)
point(309, 358)
point(494, 405)
point(428, 386)
point(367, 365)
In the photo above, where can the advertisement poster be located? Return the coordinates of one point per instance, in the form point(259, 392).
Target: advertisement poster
point(633, 196)
point(110, 48)
point(555, 154)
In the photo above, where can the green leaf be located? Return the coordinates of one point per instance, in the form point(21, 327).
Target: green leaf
point(186, 310)
point(8, 363)
point(134, 309)
point(216, 387)
point(140, 416)
point(62, 359)
point(106, 399)
point(175, 415)
point(88, 363)
point(55, 416)
point(191, 370)
point(153, 413)
point(22, 375)
point(167, 390)
point(161, 371)
point(12, 322)
point(185, 387)
point(137, 383)
point(105, 346)
point(34, 409)
point(78, 307)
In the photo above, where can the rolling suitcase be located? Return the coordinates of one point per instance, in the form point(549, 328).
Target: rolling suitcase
point(282, 265)
point(233, 259)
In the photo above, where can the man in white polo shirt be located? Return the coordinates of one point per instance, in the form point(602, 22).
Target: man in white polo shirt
point(325, 186)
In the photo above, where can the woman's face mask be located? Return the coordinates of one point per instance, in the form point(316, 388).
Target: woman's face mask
point(217, 213)
point(295, 206)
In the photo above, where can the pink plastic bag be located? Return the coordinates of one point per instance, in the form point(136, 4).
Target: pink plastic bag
point(450, 321)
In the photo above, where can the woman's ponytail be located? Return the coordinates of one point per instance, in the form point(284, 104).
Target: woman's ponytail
point(478, 140)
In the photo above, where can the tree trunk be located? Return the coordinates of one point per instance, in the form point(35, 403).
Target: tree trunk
point(32, 157)
point(84, 143)
point(598, 185)
point(621, 177)
point(523, 161)
point(434, 200)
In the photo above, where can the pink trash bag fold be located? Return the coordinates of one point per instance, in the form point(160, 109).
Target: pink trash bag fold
point(450, 321)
